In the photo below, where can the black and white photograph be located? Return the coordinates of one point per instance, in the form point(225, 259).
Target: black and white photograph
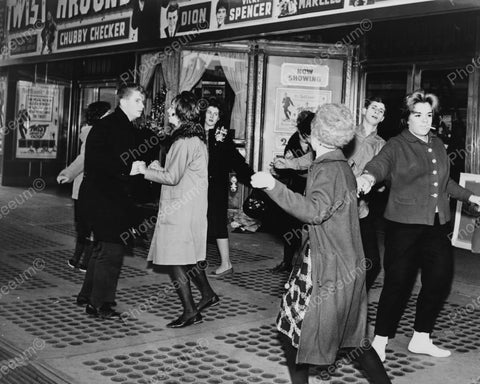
point(239, 191)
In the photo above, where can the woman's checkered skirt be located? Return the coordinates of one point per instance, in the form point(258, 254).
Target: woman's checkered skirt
point(295, 301)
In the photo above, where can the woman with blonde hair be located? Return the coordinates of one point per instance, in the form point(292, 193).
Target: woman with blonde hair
point(325, 306)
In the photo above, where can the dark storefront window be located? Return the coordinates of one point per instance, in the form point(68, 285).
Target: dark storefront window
point(392, 88)
point(451, 120)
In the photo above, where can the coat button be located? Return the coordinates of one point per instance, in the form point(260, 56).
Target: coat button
point(429, 149)
point(435, 195)
point(434, 161)
point(435, 184)
point(434, 172)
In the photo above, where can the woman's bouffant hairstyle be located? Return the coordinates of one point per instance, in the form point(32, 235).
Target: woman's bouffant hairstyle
point(419, 96)
point(186, 107)
point(187, 111)
point(96, 110)
point(333, 125)
point(304, 122)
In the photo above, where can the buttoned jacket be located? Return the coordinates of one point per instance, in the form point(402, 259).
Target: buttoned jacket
point(418, 173)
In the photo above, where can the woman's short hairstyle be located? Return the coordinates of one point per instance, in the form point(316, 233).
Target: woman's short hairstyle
point(186, 107)
point(96, 110)
point(126, 89)
point(419, 96)
point(215, 103)
point(333, 125)
point(304, 122)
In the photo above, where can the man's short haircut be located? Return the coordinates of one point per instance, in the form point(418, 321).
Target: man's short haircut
point(172, 7)
point(221, 4)
point(126, 89)
point(374, 99)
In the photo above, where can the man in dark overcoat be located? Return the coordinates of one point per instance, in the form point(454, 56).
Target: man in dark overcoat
point(107, 200)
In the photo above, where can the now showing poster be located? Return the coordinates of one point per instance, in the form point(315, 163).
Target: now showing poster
point(36, 120)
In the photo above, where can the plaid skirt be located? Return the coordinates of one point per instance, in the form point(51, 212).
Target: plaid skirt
point(295, 301)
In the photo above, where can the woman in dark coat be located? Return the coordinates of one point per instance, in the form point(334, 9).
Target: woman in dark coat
point(298, 145)
point(223, 157)
point(325, 307)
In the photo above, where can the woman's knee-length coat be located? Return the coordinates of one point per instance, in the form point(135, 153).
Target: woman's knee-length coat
point(223, 157)
point(337, 311)
point(180, 236)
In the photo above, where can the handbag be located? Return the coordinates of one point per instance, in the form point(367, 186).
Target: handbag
point(256, 204)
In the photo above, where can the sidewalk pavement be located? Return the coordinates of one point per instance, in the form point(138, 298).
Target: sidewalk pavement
point(45, 338)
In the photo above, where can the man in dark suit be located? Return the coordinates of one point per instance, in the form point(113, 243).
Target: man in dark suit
point(172, 19)
point(107, 200)
point(146, 17)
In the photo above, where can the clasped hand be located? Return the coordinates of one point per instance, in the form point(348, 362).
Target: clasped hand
point(139, 167)
point(475, 200)
point(263, 180)
point(364, 184)
point(61, 179)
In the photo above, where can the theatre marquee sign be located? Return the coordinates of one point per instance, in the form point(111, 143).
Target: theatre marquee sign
point(43, 27)
point(46, 27)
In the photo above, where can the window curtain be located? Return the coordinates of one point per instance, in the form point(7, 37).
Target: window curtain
point(235, 67)
point(170, 75)
point(148, 63)
point(193, 67)
point(168, 67)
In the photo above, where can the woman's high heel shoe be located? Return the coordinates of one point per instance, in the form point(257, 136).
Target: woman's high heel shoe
point(181, 323)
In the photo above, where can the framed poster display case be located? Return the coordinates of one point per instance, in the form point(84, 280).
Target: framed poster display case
point(296, 77)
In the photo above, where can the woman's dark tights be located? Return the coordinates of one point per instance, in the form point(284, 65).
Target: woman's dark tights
point(181, 282)
point(199, 277)
point(371, 364)
point(181, 275)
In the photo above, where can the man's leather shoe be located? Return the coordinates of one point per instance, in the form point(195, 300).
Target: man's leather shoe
point(210, 303)
point(181, 323)
point(81, 300)
point(91, 310)
point(107, 312)
point(104, 312)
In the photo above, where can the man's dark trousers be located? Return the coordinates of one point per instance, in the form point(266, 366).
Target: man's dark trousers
point(100, 283)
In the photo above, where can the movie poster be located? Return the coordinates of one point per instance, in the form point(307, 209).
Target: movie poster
point(37, 120)
point(291, 101)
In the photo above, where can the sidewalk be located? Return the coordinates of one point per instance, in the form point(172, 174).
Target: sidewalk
point(46, 338)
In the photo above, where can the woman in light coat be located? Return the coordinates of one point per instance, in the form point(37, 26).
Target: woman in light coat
point(325, 307)
point(180, 238)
